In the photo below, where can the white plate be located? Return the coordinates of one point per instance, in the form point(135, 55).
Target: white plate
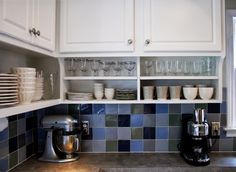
point(8, 101)
point(8, 94)
point(8, 88)
point(7, 104)
point(8, 97)
point(8, 78)
point(7, 75)
point(9, 81)
point(8, 84)
point(8, 91)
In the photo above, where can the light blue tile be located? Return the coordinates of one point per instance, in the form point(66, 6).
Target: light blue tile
point(124, 133)
point(111, 133)
point(149, 120)
point(161, 108)
point(187, 108)
point(99, 109)
point(111, 109)
point(149, 145)
point(136, 120)
point(87, 146)
point(136, 146)
point(162, 132)
point(162, 145)
point(226, 144)
point(174, 133)
point(223, 107)
point(162, 120)
point(4, 135)
point(98, 133)
point(98, 121)
point(99, 146)
point(124, 109)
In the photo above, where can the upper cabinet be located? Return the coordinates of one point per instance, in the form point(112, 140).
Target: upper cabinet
point(182, 25)
point(31, 21)
point(97, 26)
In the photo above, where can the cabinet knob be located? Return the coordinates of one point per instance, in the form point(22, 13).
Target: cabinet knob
point(130, 41)
point(37, 33)
point(147, 42)
point(32, 31)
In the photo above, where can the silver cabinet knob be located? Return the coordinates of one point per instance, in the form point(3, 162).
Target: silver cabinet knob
point(32, 31)
point(147, 41)
point(37, 33)
point(130, 41)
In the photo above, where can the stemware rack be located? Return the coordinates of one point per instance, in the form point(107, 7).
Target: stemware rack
point(80, 81)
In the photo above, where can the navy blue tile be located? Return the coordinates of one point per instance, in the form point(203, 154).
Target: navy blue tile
point(175, 108)
point(12, 118)
point(99, 109)
point(22, 115)
point(111, 109)
point(85, 109)
point(4, 164)
point(28, 114)
point(29, 136)
point(59, 109)
point(29, 150)
point(4, 135)
point(214, 108)
point(21, 140)
point(136, 120)
point(31, 123)
point(161, 108)
point(149, 109)
point(124, 120)
point(124, 145)
point(73, 109)
point(149, 132)
point(13, 144)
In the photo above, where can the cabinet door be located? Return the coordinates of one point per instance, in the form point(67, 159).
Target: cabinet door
point(15, 18)
point(97, 26)
point(44, 22)
point(183, 25)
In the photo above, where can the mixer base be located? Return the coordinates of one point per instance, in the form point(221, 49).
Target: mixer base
point(67, 158)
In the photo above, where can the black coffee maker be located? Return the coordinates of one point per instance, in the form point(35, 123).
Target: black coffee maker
point(195, 144)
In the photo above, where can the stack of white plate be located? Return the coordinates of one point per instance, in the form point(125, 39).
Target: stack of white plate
point(8, 89)
point(38, 89)
point(79, 96)
point(26, 77)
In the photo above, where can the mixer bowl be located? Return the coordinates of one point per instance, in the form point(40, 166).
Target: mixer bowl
point(67, 143)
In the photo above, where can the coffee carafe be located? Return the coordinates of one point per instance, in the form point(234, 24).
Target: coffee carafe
point(62, 141)
point(195, 143)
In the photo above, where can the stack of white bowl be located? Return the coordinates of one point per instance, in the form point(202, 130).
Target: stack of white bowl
point(98, 91)
point(38, 89)
point(26, 79)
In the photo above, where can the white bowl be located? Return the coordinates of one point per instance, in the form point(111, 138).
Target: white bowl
point(206, 93)
point(26, 79)
point(109, 93)
point(26, 84)
point(190, 93)
point(27, 74)
point(148, 92)
point(23, 69)
point(98, 95)
point(26, 97)
point(37, 96)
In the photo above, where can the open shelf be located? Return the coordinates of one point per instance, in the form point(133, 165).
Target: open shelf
point(100, 78)
point(13, 110)
point(178, 77)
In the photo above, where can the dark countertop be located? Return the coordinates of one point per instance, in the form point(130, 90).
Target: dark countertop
point(122, 162)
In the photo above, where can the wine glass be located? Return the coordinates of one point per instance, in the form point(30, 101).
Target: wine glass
point(129, 66)
point(105, 66)
point(148, 67)
point(83, 65)
point(95, 66)
point(71, 66)
point(117, 67)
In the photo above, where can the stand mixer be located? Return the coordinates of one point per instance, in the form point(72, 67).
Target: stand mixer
point(62, 140)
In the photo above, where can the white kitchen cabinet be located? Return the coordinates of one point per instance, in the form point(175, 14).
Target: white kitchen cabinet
point(31, 21)
point(97, 26)
point(183, 25)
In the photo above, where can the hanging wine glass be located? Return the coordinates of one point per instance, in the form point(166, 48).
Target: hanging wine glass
point(117, 67)
point(148, 67)
point(95, 66)
point(129, 66)
point(70, 66)
point(105, 66)
point(83, 65)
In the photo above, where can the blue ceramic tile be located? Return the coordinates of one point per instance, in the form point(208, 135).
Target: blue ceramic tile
point(98, 133)
point(111, 109)
point(29, 136)
point(21, 140)
point(162, 120)
point(4, 164)
point(30, 124)
point(85, 109)
point(124, 109)
point(124, 145)
point(149, 132)
point(136, 146)
point(22, 154)
point(87, 146)
point(22, 115)
point(98, 121)
point(29, 150)
point(214, 108)
point(99, 146)
point(226, 145)
point(223, 107)
point(99, 109)
point(73, 109)
point(149, 120)
point(223, 120)
point(162, 145)
point(13, 144)
point(174, 108)
point(224, 94)
point(149, 109)
point(27, 114)
point(149, 145)
point(59, 109)
point(4, 148)
point(124, 120)
point(187, 108)
point(136, 120)
point(111, 133)
point(12, 118)
point(124, 133)
point(4, 135)
point(174, 132)
point(162, 133)
point(41, 134)
point(213, 117)
point(161, 108)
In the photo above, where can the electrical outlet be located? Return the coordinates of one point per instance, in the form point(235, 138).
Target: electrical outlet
point(215, 128)
point(85, 127)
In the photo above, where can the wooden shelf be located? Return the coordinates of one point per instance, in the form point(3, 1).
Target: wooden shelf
point(13, 110)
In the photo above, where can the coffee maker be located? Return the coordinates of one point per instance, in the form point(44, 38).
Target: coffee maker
point(62, 141)
point(195, 144)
